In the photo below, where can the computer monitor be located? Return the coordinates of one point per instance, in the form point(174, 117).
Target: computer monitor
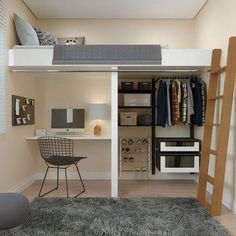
point(68, 120)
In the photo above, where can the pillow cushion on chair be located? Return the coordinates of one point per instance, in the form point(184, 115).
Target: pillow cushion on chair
point(14, 210)
point(46, 38)
point(25, 32)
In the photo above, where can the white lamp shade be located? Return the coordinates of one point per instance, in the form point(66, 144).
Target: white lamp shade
point(98, 112)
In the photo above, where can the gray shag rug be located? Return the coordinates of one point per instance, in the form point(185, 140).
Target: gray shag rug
point(122, 216)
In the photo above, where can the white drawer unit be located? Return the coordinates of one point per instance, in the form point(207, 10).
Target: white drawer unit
point(178, 155)
point(179, 164)
point(185, 147)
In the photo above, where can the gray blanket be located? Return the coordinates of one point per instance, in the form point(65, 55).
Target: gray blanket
point(107, 54)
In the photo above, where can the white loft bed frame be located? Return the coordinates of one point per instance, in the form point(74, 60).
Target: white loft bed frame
point(39, 59)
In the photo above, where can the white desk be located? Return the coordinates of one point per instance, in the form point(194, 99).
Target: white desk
point(75, 137)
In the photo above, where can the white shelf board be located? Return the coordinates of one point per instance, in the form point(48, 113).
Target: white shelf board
point(75, 137)
point(39, 58)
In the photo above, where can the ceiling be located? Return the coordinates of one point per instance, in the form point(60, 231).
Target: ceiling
point(160, 9)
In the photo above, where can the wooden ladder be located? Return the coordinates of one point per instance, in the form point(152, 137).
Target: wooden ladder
point(220, 154)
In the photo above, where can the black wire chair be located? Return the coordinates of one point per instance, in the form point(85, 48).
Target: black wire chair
point(57, 153)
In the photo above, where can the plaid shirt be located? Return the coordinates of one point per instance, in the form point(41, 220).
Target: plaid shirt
point(174, 103)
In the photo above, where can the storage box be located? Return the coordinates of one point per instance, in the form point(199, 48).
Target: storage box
point(137, 100)
point(144, 119)
point(127, 86)
point(144, 86)
point(128, 118)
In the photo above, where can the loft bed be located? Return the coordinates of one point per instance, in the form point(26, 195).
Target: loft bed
point(40, 58)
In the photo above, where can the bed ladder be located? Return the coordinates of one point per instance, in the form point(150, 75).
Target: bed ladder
point(220, 154)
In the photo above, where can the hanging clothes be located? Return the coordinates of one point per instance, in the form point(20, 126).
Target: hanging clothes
point(190, 104)
point(162, 104)
point(181, 101)
point(179, 96)
point(168, 102)
point(174, 103)
point(198, 102)
point(184, 101)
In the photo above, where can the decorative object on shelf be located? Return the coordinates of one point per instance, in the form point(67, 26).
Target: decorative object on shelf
point(23, 111)
point(98, 112)
point(71, 41)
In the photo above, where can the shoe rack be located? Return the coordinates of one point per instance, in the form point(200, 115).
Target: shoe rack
point(135, 155)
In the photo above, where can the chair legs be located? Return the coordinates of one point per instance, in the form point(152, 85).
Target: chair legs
point(80, 180)
point(39, 195)
point(67, 194)
point(66, 179)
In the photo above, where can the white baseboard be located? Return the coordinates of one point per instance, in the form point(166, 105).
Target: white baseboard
point(23, 184)
point(74, 175)
point(227, 198)
point(158, 176)
point(99, 176)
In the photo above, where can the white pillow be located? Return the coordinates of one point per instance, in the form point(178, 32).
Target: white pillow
point(25, 32)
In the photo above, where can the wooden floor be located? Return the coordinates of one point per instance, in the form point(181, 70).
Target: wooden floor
point(132, 188)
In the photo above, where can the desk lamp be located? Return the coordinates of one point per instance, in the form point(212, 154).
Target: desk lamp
point(98, 112)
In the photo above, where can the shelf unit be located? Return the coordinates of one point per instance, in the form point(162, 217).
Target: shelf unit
point(135, 91)
point(153, 114)
point(135, 107)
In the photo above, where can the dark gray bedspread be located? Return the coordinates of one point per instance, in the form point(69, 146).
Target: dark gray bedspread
point(107, 54)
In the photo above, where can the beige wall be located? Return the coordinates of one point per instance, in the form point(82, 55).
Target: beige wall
point(77, 90)
point(215, 24)
point(16, 156)
point(175, 33)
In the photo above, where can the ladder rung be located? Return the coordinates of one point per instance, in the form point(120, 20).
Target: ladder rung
point(210, 179)
point(213, 152)
point(207, 205)
point(216, 98)
point(210, 125)
point(220, 70)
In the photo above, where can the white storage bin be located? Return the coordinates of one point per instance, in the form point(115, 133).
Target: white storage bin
point(137, 100)
point(166, 165)
point(170, 147)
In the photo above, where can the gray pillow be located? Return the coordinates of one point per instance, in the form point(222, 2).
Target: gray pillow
point(46, 38)
point(25, 32)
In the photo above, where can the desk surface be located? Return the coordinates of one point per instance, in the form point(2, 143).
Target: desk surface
point(75, 137)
